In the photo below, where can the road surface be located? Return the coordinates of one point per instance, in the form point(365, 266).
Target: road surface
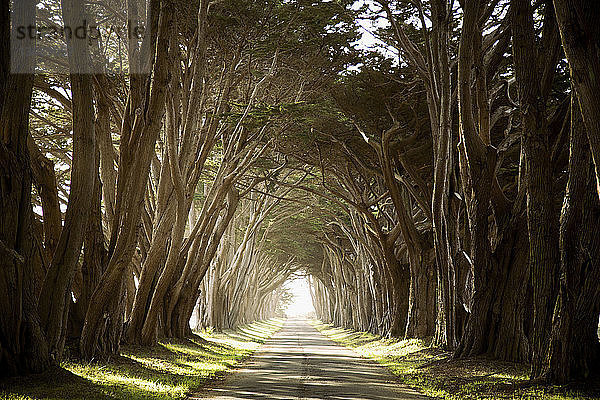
point(300, 363)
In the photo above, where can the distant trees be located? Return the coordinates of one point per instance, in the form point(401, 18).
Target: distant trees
point(242, 285)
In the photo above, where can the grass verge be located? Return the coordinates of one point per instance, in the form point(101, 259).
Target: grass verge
point(431, 370)
point(170, 370)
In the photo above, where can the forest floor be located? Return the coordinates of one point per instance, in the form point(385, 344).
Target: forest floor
point(432, 371)
point(171, 370)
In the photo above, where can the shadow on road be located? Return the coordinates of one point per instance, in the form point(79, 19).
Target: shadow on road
point(300, 363)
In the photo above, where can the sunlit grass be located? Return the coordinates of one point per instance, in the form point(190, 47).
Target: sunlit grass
point(431, 370)
point(171, 370)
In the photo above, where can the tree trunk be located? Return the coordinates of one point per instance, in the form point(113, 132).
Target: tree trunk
point(108, 174)
point(149, 329)
point(180, 305)
point(476, 171)
point(55, 297)
point(23, 348)
point(149, 276)
point(445, 334)
point(45, 181)
point(580, 33)
point(400, 281)
point(421, 301)
point(574, 352)
point(95, 259)
point(104, 319)
point(541, 216)
point(510, 341)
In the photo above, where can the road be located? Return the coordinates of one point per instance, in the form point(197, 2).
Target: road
point(300, 363)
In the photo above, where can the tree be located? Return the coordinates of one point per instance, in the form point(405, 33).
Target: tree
point(142, 121)
point(55, 296)
point(580, 34)
point(574, 350)
point(541, 213)
point(23, 347)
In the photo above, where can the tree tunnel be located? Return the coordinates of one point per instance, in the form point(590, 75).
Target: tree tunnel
point(437, 181)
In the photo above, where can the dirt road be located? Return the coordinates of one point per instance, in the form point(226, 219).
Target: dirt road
point(300, 363)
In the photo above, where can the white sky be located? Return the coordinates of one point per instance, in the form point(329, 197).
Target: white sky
point(302, 302)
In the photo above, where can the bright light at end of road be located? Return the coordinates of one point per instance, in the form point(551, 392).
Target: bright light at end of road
point(301, 305)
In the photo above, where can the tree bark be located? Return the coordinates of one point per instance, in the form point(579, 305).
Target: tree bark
point(140, 131)
point(574, 352)
point(95, 259)
point(108, 174)
point(45, 181)
point(55, 296)
point(23, 348)
point(580, 34)
point(542, 217)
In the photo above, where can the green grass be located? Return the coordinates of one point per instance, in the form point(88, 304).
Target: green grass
point(171, 370)
point(432, 371)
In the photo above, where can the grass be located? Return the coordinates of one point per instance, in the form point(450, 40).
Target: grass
point(432, 371)
point(171, 370)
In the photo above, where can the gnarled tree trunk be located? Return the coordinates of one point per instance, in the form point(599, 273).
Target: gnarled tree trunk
point(104, 318)
point(541, 214)
point(55, 297)
point(23, 347)
point(580, 33)
point(574, 351)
